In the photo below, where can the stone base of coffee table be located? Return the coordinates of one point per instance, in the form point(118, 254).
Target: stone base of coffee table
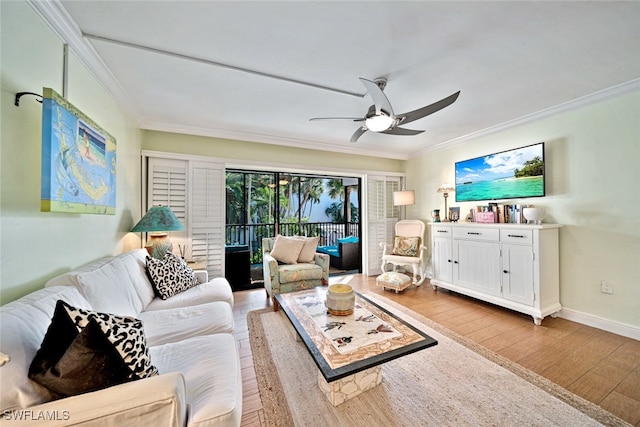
point(346, 388)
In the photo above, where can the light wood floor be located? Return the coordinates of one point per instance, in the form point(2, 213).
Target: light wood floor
point(602, 367)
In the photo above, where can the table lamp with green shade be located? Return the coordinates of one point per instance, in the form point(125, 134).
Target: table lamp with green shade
point(158, 221)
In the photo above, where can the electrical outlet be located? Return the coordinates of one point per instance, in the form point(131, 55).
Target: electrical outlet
point(606, 287)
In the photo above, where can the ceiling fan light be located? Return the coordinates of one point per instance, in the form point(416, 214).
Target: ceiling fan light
point(378, 123)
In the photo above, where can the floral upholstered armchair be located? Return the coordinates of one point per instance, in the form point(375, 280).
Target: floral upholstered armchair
point(407, 249)
point(292, 264)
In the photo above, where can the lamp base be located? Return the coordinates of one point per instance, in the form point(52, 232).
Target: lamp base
point(158, 245)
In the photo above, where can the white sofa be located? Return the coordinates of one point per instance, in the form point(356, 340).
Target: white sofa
point(189, 337)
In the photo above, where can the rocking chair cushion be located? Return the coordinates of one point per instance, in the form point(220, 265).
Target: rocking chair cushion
point(406, 246)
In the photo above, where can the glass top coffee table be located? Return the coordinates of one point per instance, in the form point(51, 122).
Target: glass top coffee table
point(349, 350)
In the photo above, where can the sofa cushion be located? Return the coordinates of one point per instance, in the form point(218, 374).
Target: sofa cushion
point(212, 372)
point(87, 363)
point(125, 333)
point(170, 275)
point(309, 249)
point(138, 274)
point(299, 272)
point(135, 268)
point(406, 246)
point(176, 324)
point(110, 289)
point(71, 278)
point(23, 325)
point(217, 289)
point(329, 250)
point(287, 249)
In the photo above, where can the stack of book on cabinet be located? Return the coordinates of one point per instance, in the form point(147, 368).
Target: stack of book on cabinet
point(495, 213)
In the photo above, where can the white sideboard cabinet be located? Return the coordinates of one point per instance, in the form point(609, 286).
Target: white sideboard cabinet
point(511, 265)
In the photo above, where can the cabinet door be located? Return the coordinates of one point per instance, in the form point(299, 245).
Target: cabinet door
point(517, 273)
point(442, 262)
point(476, 265)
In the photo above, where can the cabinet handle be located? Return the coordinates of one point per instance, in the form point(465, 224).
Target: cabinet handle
point(505, 271)
point(455, 262)
point(448, 260)
point(441, 231)
point(516, 235)
point(472, 233)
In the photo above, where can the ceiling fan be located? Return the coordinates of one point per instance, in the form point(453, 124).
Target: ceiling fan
point(380, 117)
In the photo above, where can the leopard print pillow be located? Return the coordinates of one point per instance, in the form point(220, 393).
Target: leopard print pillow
point(170, 275)
point(125, 333)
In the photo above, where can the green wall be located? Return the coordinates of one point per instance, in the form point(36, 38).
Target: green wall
point(34, 245)
point(254, 152)
point(592, 157)
point(593, 177)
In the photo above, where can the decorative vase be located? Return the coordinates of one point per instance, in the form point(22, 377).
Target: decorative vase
point(340, 300)
point(533, 215)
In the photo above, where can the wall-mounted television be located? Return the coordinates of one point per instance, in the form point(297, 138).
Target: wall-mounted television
point(511, 174)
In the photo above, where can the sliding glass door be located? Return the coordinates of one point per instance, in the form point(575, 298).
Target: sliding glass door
point(264, 204)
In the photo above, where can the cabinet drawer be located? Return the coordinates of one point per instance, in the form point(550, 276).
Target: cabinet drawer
point(516, 235)
point(477, 233)
point(440, 231)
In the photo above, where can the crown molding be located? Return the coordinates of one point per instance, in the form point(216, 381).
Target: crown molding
point(271, 139)
point(57, 18)
point(583, 101)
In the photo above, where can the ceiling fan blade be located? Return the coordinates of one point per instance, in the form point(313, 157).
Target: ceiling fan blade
point(379, 98)
point(355, 119)
point(358, 133)
point(402, 131)
point(429, 109)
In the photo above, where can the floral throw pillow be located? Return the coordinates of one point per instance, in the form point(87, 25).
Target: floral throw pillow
point(406, 246)
point(170, 275)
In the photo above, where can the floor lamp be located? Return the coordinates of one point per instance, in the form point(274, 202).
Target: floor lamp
point(404, 198)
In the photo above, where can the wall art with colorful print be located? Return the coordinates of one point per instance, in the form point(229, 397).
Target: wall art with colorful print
point(78, 160)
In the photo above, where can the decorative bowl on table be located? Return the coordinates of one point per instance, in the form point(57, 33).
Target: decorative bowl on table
point(533, 215)
point(340, 300)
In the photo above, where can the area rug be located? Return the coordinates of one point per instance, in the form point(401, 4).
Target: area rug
point(456, 383)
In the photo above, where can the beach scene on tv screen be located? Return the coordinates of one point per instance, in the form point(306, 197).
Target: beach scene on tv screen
point(515, 173)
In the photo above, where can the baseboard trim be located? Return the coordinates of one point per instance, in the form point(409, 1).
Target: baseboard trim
point(618, 328)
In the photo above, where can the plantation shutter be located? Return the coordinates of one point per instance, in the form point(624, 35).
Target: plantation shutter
point(381, 218)
point(194, 190)
point(207, 216)
point(168, 186)
point(392, 212)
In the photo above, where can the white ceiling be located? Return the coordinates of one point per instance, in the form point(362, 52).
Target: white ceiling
point(510, 60)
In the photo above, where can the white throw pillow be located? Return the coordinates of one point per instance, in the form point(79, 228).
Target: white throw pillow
point(309, 249)
point(287, 249)
point(110, 289)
